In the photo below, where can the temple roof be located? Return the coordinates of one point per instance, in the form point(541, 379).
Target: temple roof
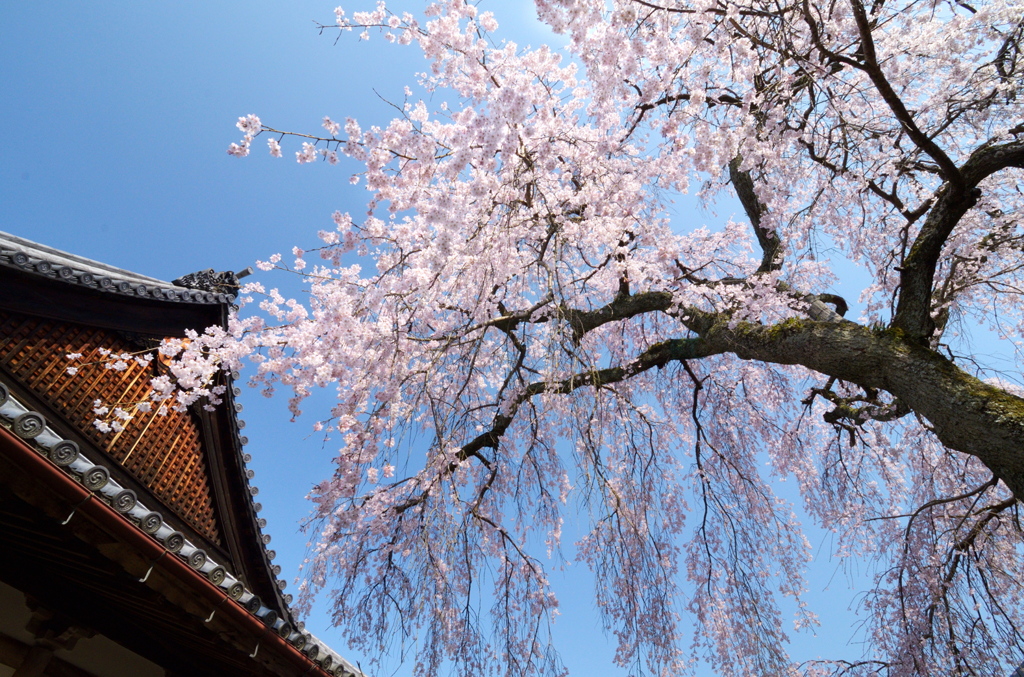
point(37, 410)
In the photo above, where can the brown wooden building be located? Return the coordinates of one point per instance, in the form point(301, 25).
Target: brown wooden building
point(134, 553)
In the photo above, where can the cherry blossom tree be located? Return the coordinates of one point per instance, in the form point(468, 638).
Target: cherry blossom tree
point(523, 325)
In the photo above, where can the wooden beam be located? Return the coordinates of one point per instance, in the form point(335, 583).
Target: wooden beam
point(19, 655)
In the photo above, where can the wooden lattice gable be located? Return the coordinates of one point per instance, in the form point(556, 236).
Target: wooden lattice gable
point(70, 303)
point(163, 453)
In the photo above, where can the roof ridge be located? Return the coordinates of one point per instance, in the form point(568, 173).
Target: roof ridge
point(41, 260)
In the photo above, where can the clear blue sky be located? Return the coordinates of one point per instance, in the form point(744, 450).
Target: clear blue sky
point(116, 117)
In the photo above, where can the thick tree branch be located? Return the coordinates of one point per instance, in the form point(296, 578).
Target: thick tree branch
point(621, 308)
point(913, 312)
point(771, 247)
point(870, 66)
point(966, 414)
point(626, 307)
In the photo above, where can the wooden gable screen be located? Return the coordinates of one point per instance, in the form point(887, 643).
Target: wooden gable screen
point(164, 453)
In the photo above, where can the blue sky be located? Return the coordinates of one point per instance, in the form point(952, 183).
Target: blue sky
point(116, 118)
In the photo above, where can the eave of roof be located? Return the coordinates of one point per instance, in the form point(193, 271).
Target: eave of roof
point(38, 259)
point(101, 513)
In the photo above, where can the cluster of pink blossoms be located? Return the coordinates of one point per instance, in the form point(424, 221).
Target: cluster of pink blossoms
point(250, 126)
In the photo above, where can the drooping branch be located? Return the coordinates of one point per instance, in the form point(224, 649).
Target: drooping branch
point(658, 355)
